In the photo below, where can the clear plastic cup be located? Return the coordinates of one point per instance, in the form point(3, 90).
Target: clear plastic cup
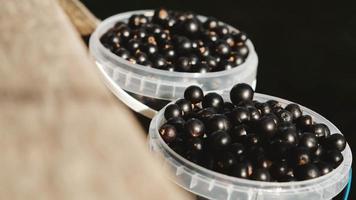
point(146, 90)
point(213, 185)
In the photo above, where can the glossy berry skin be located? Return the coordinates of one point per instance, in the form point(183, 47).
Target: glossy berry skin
point(159, 62)
point(304, 122)
point(168, 133)
point(169, 53)
point(218, 122)
point(264, 108)
point(240, 37)
point(306, 172)
point(222, 48)
point(136, 21)
point(123, 53)
point(172, 34)
point(288, 136)
point(211, 23)
point(228, 107)
point(261, 175)
point(222, 30)
point(178, 123)
point(150, 50)
point(324, 168)
point(251, 140)
point(194, 94)
point(172, 110)
point(195, 144)
point(241, 92)
point(242, 50)
point(141, 57)
point(318, 153)
point(275, 105)
point(279, 169)
point(255, 114)
point(294, 109)
point(237, 59)
point(191, 27)
point(211, 61)
point(194, 59)
point(183, 64)
point(184, 45)
point(194, 128)
point(238, 150)
point(309, 141)
point(185, 106)
point(224, 65)
point(133, 45)
point(160, 16)
point(285, 116)
point(263, 162)
point(299, 156)
point(320, 130)
point(201, 68)
point(283, 126)
point(239, 115)
point(213, 100)
point(267, 127)
point(238, 132)
point(333, 157)
point(242, 170)
point(140, 33)
point(206, 113)
point(219, 140)
point(336, 142)
point(225, 162)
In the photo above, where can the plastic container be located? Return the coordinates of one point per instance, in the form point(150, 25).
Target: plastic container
point(146, 90)
point(213, 185)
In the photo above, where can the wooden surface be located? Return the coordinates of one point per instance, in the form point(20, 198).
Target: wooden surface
point(83, 20)
point(62, 134)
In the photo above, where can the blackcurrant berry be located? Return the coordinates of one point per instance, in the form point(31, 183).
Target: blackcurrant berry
point(194, 128)
point(172, 110)
point(213, 100)
point(168, 133)
point(241, 92)
point(336, 142)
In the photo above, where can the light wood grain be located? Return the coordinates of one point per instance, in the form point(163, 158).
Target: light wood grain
point(83, 20)
point(62, 134)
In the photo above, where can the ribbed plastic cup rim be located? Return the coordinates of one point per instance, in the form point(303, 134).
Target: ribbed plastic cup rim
point(343, 168)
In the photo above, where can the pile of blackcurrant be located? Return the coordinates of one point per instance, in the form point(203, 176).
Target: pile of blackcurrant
point(249, 139)
point(177, 41)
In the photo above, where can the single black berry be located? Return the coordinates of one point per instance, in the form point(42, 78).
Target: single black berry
point(172, 110)
point(168, 133)
point(307, 171)
point(194, 94)
point(194, 128)
point(219, 140)
point(213, 100)
point(241, 92)
point(218, 122)
point(336, 142)
point(185, 106)
point(261, 175)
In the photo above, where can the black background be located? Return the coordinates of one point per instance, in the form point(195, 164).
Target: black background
point(307, 50)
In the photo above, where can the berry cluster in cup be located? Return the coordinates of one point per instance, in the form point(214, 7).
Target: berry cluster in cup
point(248, 139)
point(177, 41)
